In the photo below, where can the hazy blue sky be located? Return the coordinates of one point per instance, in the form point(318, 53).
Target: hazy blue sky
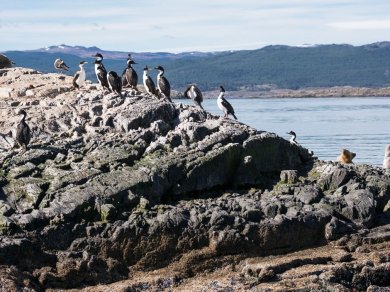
point(180, 25)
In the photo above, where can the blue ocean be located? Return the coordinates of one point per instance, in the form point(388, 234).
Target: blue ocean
point(323, 125)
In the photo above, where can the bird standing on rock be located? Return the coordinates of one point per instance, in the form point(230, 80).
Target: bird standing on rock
point(115, 82)
point(129, 76)
point(293, 137)
point(79, 77)
point(194, 93)
point(100, 71)
point(23, 133)
point(163, 85)
point(224, 105)
point(60, 65)
point(148, 82)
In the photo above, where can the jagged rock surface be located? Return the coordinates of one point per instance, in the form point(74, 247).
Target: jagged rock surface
point(112, 187)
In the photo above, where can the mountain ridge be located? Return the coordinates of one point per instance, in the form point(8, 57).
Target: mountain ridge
point(80, 50)
point(282, 66)
point(83, 51)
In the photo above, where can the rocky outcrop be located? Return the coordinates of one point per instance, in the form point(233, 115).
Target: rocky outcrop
point(5, 62)
point(112, 187)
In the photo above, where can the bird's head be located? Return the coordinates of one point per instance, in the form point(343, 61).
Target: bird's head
point(98, 56)
point(222, 89)
point(292, 133)
point(83, 62)
point(22, 112)
point(159, 68)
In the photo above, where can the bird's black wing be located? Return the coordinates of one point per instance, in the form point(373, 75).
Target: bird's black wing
point(118, 85)
point(103, 68)
point(199, 95)
point(165, 87)
point(150, 84)
point(19, 134)
point(27, 134)
point(124, 78)
point(75, 79)
point(64, 66)
point(23, 134)
point(228, 107)
point(101, 75)
point(132, 77)
point(111, 81)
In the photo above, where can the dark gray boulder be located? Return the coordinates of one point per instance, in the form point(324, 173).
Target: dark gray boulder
point(5, 62)
point(361, 207)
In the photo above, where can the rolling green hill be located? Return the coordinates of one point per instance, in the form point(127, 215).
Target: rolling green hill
point(281, 66)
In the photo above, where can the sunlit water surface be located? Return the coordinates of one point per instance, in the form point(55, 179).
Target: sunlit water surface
point(324, 125)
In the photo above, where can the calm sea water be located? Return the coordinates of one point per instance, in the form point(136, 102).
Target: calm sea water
point(324, 125)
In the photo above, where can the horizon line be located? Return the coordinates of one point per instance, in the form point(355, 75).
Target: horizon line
point(170, 51)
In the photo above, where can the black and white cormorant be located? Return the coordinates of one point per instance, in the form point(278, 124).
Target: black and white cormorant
point(293, 137)
point(60, 65)
point(79, 77)
point(195, 94)
point(5, 62)
point(100, 71)
point(115, 82)
point(23, 133)
point(99, 58)
point(163, 85)
point(148, 82)
point(224, 105)
point(129, 76)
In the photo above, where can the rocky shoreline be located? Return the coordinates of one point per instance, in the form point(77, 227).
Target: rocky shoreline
point(139, 194)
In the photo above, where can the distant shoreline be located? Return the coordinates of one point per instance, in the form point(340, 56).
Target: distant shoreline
point(338, 91)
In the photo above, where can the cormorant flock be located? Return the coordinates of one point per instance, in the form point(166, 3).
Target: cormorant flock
point(112, 82)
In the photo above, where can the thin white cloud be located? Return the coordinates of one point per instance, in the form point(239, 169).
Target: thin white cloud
point(228, 46)
point(39, 15)
point(362, 25)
